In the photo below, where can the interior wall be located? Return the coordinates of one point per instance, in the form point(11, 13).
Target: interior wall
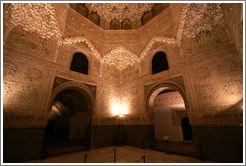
point(78, 125)
point(166, 125)
point(166, 121)
point(215, 74)
point(26, 88)
point(233, 14)
point(205, 65)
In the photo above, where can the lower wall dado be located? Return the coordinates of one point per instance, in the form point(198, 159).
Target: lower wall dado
point(22, 144)
point(182, 147)
point(119, 135)
point(222, 143)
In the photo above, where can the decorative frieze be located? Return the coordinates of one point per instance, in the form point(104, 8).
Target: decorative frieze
point(217, 126)
point(22, 127)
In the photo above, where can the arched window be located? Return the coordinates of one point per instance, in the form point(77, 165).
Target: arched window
point(74, 6)
point(115, 24)
point(157, 9)
point(159, 63)
point(187, 133)
point(146, 17)
point(80, 8)
point(126, 24)
point(94, 17)
point(79, 63)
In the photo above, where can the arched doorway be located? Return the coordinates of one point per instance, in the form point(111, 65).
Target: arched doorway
point(68, 127)
point(169, 110)
point(168, 107)
point(186, 128)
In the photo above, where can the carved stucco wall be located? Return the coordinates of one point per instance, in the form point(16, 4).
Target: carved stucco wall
point(20, 41)
point(206, 60)
point(159, 44)
point(216, 78)
point(120, 63)
point(24, 92)
point(110, 96)
point(82, 45)
point(203, 61)
point(198, 17)
point(37, 18)
point(28, 69)
point(233, 14)
point(168, 99)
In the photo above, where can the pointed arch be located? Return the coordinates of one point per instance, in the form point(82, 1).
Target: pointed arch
point(157, 88)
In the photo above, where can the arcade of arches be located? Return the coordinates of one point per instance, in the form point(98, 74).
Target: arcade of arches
point(78, 77)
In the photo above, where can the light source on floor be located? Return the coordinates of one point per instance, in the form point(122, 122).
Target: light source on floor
point(121, 115)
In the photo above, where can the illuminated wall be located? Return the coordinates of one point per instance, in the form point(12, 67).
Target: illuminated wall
point(203, 62)
point(120, 66)
point(169, 110)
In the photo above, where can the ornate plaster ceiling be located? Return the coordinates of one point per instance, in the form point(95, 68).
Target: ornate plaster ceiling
point(40, 18)
point(36, 17)
point(109, 11)
point(197, 17)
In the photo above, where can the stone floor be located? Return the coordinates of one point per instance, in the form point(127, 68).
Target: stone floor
point(125, 154)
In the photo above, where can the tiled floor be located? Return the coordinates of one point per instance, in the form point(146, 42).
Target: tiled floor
point(126, 154)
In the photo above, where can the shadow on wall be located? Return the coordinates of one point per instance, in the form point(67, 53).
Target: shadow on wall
point(172, 128)
point(221, 142)
point(186, 128)
point(68, 124)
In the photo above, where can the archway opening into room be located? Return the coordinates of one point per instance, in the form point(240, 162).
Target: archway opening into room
point(171, 122)
point(186, 129)
point(159, 63)
point(79, 63)
point(69, 123)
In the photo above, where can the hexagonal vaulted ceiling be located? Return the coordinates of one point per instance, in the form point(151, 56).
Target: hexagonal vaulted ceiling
point(119, 15)
point(120, 11)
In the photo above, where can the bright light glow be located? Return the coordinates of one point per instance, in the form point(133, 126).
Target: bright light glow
point(55, 109)
point(119, 108)
point(115, 108)
point(124, 108)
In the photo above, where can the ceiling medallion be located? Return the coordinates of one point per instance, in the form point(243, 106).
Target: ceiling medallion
point(120, 11)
